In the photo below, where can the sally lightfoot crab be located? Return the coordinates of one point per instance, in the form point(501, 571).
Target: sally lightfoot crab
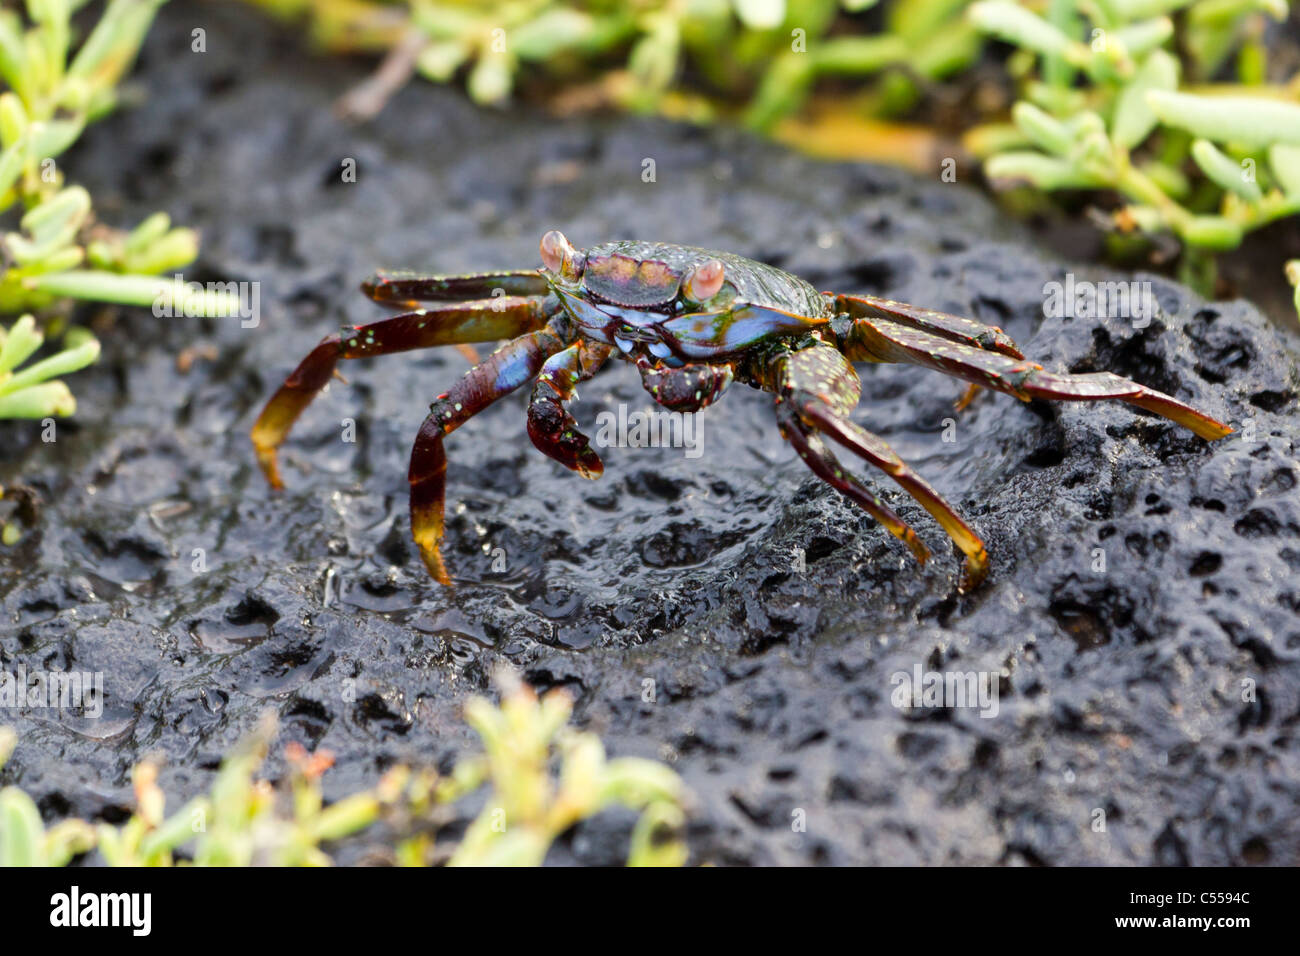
point(692, 321)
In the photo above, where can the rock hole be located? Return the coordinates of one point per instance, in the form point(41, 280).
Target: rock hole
point(1271, 400)
point(1257, 523)
point(1081, 623)
point(874, 276)
point(1255, 851)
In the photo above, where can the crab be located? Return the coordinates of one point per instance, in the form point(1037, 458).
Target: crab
point(693, 321)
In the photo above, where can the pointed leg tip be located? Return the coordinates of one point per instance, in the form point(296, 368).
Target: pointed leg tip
point(426, 532)
point(1216, 430)
point(967, 397)
point(974, 573)
point(436, 567)
point(269, 462)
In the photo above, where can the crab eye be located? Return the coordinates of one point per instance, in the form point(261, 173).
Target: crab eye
point(556, 251)
point(706, 281)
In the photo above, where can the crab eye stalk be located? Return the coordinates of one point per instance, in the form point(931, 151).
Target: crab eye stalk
point(557, 253)
point(706, 281)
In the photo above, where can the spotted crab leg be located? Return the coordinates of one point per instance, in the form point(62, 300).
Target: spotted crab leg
point(814, 453)
point(505, 370)
point(821, 389)
point(448, 324)
point(550, 425)
point(884, 340)
point(405, 290)
point(954, 328)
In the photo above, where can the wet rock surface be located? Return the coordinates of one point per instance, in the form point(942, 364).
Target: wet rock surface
point(1159, 691)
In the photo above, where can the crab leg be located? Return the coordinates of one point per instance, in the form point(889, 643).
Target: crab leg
point(406, 290)
point(550, 425)
point(499, 374)
point(403, 290)
point(876, 451)
point(824, 465)
point(478, 321)
point(822, 390)
point(883, 340)
point(954, 328)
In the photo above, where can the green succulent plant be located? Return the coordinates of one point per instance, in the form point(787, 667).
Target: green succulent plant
point(36, 391)
point(59, 251)
point(528, 806)
point(242, 821)
point(542, 778)
point(1106, 105)
point(755, 59)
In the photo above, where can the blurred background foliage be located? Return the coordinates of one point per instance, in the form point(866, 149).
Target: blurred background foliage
point(1172, 125)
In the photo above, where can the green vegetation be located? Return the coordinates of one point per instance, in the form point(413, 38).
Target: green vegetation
point(59, 251)
point(1112, 113)
point(755, 59)
point(35, 391)
point(542, 777)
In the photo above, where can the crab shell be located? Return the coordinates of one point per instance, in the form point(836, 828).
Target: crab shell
point(664, 278)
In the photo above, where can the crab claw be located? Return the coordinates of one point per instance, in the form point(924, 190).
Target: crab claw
point(555, 434)
point(550, 425)
point(686, 389)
